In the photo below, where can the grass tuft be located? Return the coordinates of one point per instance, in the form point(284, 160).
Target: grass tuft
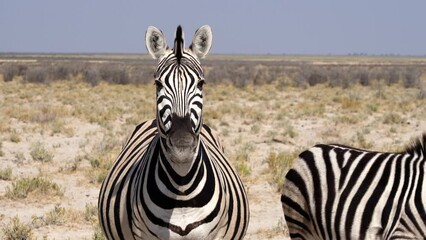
point(241, 164)
point(279, 164)
point(6, 174)
point(98, 234)
point(90, 212)
point(40, 153)
point(21, 188)
point(15, 229)
point(55, 216)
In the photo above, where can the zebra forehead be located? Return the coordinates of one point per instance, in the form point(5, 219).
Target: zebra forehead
point(173, 71)
point(187, 63)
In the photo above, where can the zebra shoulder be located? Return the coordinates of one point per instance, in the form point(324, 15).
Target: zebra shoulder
point(141, 130)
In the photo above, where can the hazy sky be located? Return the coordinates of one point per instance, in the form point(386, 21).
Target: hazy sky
point(244, 27)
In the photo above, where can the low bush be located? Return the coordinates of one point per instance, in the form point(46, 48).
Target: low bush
point(36, 75)
point(15, 229)
point(240, 73)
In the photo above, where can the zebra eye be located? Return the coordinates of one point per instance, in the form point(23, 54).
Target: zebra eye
point(200, 84)
point(159, 85)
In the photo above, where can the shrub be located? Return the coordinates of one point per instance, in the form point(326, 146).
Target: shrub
point(59, 72)
point(141, 74)
point(55, 216)
point(317, 76)
point(411, 78)
point(392, 77)
point(92, 76)
point(339, 77)
point(9, 71)
point(36, 75)
point(40, 153)
point(116, 74)
point(17, 230)
point(363, 77)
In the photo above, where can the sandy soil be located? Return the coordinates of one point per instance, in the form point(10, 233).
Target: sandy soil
point(237, 134)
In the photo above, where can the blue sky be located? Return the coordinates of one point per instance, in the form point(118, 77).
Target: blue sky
point(239, 27)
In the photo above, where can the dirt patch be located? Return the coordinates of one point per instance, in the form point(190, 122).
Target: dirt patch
point(88, 125)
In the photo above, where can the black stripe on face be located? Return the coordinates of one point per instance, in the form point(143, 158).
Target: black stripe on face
point(179, 91)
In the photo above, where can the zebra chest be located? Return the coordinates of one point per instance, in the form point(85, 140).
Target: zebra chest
point(192, 210)
point(186, 223)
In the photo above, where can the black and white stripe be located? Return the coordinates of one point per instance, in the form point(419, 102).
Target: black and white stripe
point(339, 192)
point(172, 179)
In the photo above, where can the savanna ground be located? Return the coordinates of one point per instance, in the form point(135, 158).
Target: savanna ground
point(59, 138)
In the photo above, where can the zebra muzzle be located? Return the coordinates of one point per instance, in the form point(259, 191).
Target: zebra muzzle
point(181, 134)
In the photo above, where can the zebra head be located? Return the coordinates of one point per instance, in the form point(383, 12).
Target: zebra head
point(179, 79)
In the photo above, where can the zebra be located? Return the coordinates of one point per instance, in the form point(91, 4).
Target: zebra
point(172, 179)
point(340, 192)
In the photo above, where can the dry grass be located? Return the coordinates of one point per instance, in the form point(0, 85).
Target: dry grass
point(68, 133)
point(279, 164)
point(6, 173)
point(21, 188)
point(15, 229)
point(40, 153)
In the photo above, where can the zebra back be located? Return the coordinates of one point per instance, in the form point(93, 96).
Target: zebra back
point(339, 192)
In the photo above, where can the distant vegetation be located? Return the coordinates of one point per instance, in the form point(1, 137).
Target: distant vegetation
point(239, 71)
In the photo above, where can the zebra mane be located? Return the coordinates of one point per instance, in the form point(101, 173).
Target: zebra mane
point(179, 44)
point(418, 146)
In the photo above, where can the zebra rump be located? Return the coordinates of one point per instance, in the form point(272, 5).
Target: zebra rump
point(339, 192)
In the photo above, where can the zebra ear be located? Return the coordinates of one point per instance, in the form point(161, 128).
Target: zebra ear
point(202, 41)
point(155, 42)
